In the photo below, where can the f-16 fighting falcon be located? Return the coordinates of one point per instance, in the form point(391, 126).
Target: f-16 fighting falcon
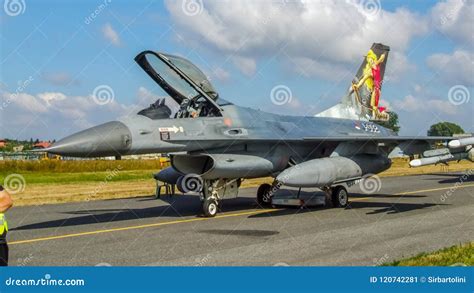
point(214, 144)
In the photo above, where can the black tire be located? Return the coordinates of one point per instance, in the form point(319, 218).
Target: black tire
point(210, 207)
point(263, 197)
point(340, 196)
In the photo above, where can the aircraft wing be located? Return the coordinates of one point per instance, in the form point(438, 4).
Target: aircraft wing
point(393, 138)
point(349, 138)
point(398, 146)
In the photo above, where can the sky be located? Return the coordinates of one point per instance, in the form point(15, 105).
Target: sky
point(69, 65)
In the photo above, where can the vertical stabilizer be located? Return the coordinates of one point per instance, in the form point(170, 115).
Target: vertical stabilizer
point(362, 99)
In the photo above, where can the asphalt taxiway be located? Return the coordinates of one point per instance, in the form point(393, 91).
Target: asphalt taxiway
point(406, 216)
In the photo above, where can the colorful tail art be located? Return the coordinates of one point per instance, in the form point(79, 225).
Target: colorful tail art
point(367, 84)
point(362, 99)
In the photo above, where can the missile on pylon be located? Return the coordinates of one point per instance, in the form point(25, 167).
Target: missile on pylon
point(461, 142)
point(440, 156)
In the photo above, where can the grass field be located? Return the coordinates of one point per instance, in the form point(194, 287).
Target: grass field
point(58, 166)
point(458, 255)
point(64, 181)
point(113, 175)
point(55, 172)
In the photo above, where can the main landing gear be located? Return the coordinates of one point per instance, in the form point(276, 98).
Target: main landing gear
point(339, 196)
point(265, 193)
point(215, 190)
point(336, 196)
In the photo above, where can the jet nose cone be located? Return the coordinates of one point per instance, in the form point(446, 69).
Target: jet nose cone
point(109, 139)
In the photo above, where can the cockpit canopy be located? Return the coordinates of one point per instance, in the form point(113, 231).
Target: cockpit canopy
point(177, 76)
point(194, 73)
point(184, 82)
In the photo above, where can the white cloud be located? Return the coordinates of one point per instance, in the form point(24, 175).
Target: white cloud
point(51, 97)
point(247, 66)
point(111, 35)
point(417, 104)
point(54, 114)
point(221, 74)
point(454, 18)
point(26, 102)
point(457, 67)
point(327, 32)
point(418, 88)
point(308, 67)
point(145, 97)
point(58, 78)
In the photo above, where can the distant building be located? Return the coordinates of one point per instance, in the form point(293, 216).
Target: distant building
point(18, 148)
point(41, 145)
point(3, 143)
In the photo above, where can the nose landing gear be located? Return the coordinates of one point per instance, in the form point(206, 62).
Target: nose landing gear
point(209, 207)
point(215, 190)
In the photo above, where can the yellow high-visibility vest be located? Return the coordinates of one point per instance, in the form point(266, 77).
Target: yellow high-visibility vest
point(3, 224)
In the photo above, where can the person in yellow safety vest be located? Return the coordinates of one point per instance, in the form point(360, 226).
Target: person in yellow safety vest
point(5, 203)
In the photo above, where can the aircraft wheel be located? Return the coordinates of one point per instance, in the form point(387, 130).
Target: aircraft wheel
point(263, 197)
point(340, 196)
point(210, 207)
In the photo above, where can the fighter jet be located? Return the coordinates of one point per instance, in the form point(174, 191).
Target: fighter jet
point(221, 144)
